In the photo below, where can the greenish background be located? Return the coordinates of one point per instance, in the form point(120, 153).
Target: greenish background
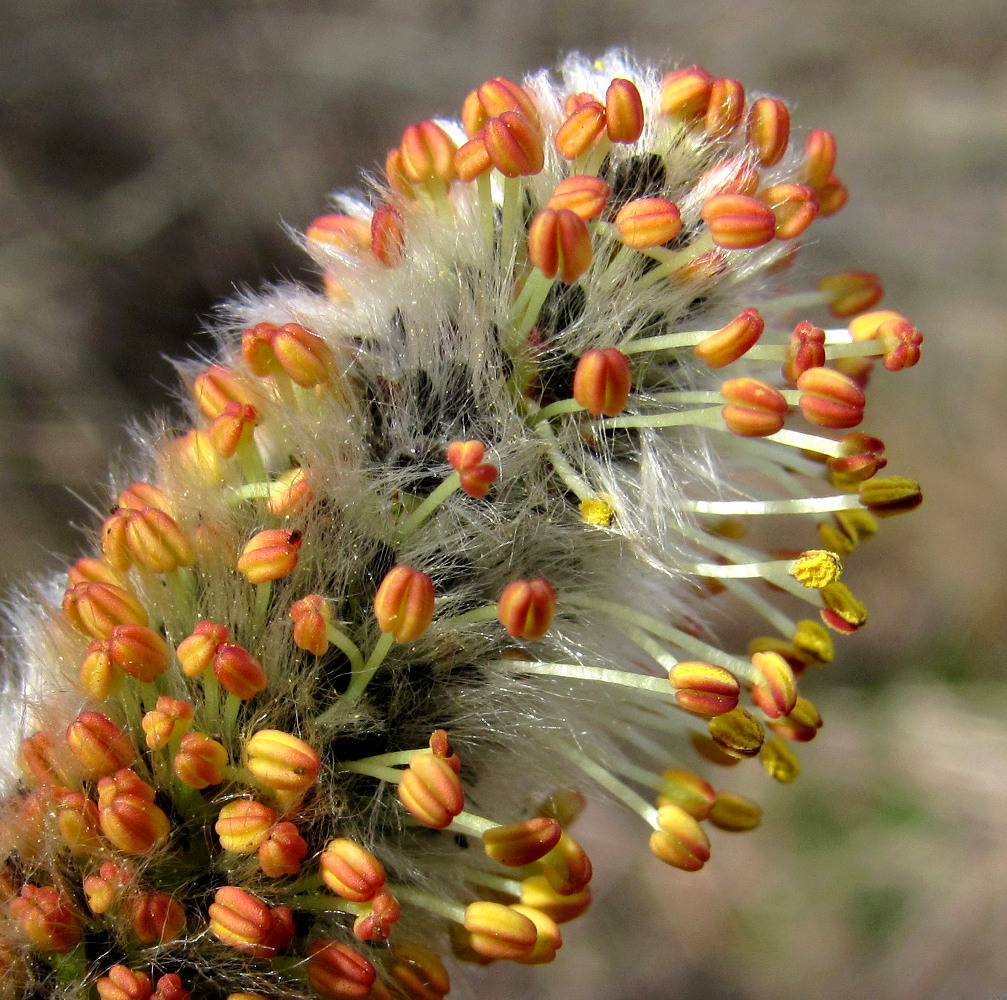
point(150, 152)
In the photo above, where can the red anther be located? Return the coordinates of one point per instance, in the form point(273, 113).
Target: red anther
point(428, 154)
point(732, 341)
point(169, 987)
point(281, 762)
point(685, 93)
point(270, 555)
point(243, 825)
point(559, 244)
point(257, 349)
point(522, 843)
point(472, 158)
point(234, 424)
point(851, 292)
point(536, 891)
point(99, 744)
point(97, 608)
point(431, 791)
point(794, 206)
point(769, 129)
point(404, 603)
point(377, 925)
point(583, 194)
point(169, 718)
point(806, 350)
point(738, 221)
point(493, 98)
point(862, 457)
point(687, 791)
point(514, 144)
point(388, 237)
point(312, 618)
point(350, 871)
point(123, 983)
point(832, 196)
point(136, 650)
point(213, 389)
point(774, 689)
point(499, 931)
point(466, 457)
point(623, 111)
point(304, 357)
point(819, 158)
point(282, 852)
point(200, 761)
point(341, 231)
point(127, 814)
point(754, 408)
point(732, 176)
point(396, 176)
point(901, 341)
point(703, 688)
point(581, 130)
point(830, 398)
point(526, 608)
point(602, 381)
point(567, 867)
point(46, 918)
point(195, 653)
point(239, 673)
point(725, 109)
point(680, 841)
point(337, 972)
point(648, 222)
point(240, 920)
point(155, 917)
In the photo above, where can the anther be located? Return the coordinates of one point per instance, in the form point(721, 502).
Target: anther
point(404, 603)
point(427, 154)
point(312, 618)
point(735, 813)
point(493, 98)
point(344, 232)
point(816, 568)
point(623, 111)
point(731, 342)
point(536, 891)
point(780, 761)
point(196, 652)
point(499, 931)
point(283, 850)
point(774, 689)
point(514, 144)
point(830, 399)
point(685, 93)
point(122, 983)
point(243, 825)
point(754, 408)
point(819, 158)
point(46, 918)
point(806, 350)
point(269, 555)
point(155, 917)
point(602, 381)
point(769, 129)
point(842, 611)
point(338, 972)
point(388, 237)
point(127, 814)
point(213, 389)
point(794, 207)
point(240, 920)
point(99, 744)
point(559, 244)
point(291, 493)
point(687, 791)
point(680, 841)
point(704, 689)
point(281, 762)
point(581, 129)
point(418, 972)
point(431, 791)
point(522, 843)
point(648, 222)
point(526, 608)
point(891, 495)
point(304, 357)
point(583, 194)
point(862, 456)
point(738, 221)
point(233, 425)
point(801, 725)
point(239, 673)
point(200, 761)
point(350, 871)
point(725, 109)
point(738, 733)
point(466, 458)
point(851, 292)
point(97, 608)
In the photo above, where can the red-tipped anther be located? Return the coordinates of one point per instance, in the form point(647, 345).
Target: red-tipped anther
point(583, 194)
point(514, 144)
point(623, 111)
point(97, 608)
point(233, 425)
point(739, 221)
point(769, 129)
point(168, 718)
point(686, 790)
point(127, 814)
point(350, 871)
point(196, 652)
point(213, 389)
point(499, 931)
point(842, 612)
point(200, 761)
point(427, 154)
point(898, 338)
point(240, 920)
point(404, 603)
point(536, 891)
point(685, 93)
point(99, 744)
point(819, 158)
point(388, 237)
point(312, 618)
point(734, 175)
point(794, 207)
point(754, 408)
point(281, 762)
point(46, 918)
point(282, 852)
point(732, 341)
point(337, 972)
point(135, 649)
point(581, 130)
point(243, 825)
point(466, 457)
point(522, 843)
point(156, 540)
point(648, 222)
point(725, 109)
point(77, 820)
point(680, 841)
point(738, 733)
point(155, 917)
point(831, 197)
point(269, 555)
point(863, 456)
point(559, 244)
point(377, 925)
point(602, 381)
point(830, 398)
point(290, 493)
point(472, 159)
point(304, 357)
point(526, 607)
point(703, 688)
point(239, 673)
point(774, 689)
point(806, 350)
point(801, 725)
point(851, 292)
point(122, 983)
point(431, 791)
point(341, 231)
point(567, 867)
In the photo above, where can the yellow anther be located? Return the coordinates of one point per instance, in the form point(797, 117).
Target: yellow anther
point(891, 495)
point(595, 510)
point(779, 761)
point(817, 568)
point(857, 525)
point(813, 641)
point(738, 733)
point(842, 611)
point(735, 813)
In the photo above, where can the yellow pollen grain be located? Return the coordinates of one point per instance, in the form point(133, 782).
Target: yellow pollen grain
point(595, 510)
point(817, 568)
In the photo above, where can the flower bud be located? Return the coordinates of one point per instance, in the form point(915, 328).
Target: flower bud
point(281, 762)
point(388, 236)
point(732, 341)
point(648, 222)
point(754, 408)
point(338, 972)
point(404, 603)
point(581, 130)
point(522, 843)
point(559, 244)
point(269, 555)
point(196, 652)
point(431, 791)
point(769, 129)
point(312, 618)
point(46, 918)
point(583, 194)
point(350, 871)
point(123, 983)
point(703, 688)
point(499, 931)
point(680, 841)
point(685, 93)
point(128, 817)
point(623, 111)
point(200, 761)
point(96, 608)
point(526, 608)
point(774, 689)
point(830, 398)
point(687, 791)
point(602, 382)
point(738, 221)
point(536, 891)
point(240, 920)
point(243, 825)
point(735, 813)
point(238, 671)
point(738, 733)
point(168, 719)
point(99, 744)
point(156, 917)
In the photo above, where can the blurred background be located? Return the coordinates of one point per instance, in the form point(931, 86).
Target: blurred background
point(150, 153)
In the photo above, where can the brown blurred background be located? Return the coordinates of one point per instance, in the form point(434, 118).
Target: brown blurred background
point(150, 152)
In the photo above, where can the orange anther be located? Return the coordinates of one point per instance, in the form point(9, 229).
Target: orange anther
point(427, 153)
point(732, 341)
point(738, 221)
point(685, 93)
point(559, 244)
point(240, 920)
point(282, 852)
point(725, 109)
point(239, 673)
point(77, 820)
point(269, 555)
point(680, 841)
point(851, 292)
point(580, 130)
point(140, 495)
point(196, 652)
point(127, 814)
point(156, 541)
point(243, 825)
point(514, 144)
point(583, 194)
point(806, 350)
point(832, 196)
point(623, 111)
point(602, 381)
point(169, 987)
point(522, 843)
point(648, 222)
point(281, 762)
point(404, 603)
point(200, 761)
point(377, 925)
point(472, 158)
point(304, 357)
point(499, 931)
point(213, 389)
point(155, 917)
point(754, 408)
point(466, 457)
point(388, 237)
point(123, 983)
point(862, 457)
point(819, 158)
point(257, 349)
point(431, 791)
point(350, 871)
point(104, 890)
point(290, 493)
point(341, 231)
point(794, 207)
point(231, 427)
point(734, 175)
point(338, 972)
point(774, 689)
point(46, 918)
point(395, 174)
point(40, 761)
point(97, 608)
point(703, 688)
point(91, 570)
point(312, 618)
point(830, 398)
point(769, 129)
point(493, 98)
point(99, 744)
point(526, 608)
